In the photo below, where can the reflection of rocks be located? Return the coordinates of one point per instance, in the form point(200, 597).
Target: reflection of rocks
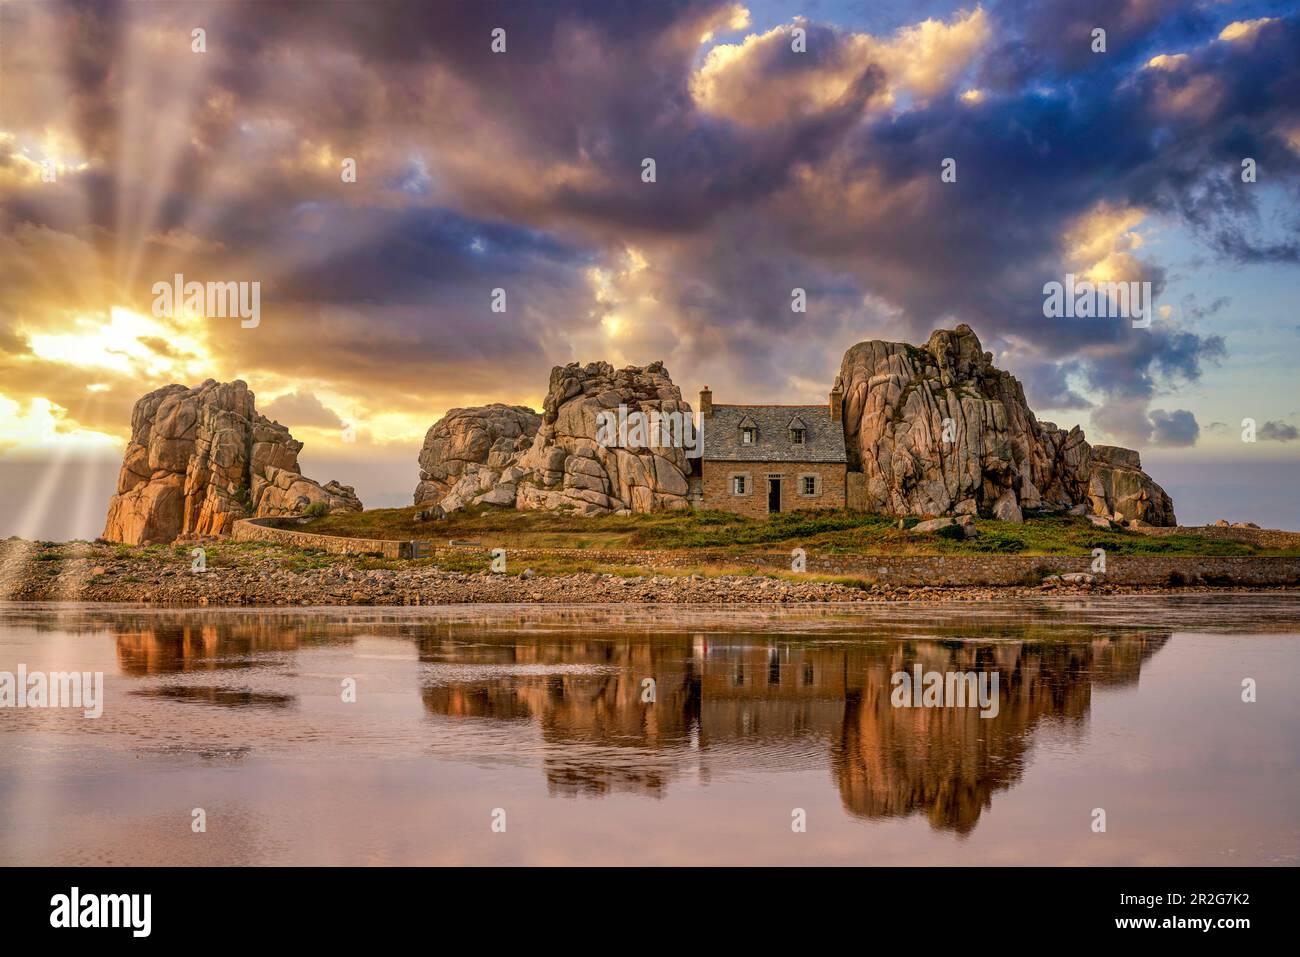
point(726, 699)
point(225, 697)
point(948, 762)
point(742, 701)
point(194, 640)
point(170, 647)
point(584, 696)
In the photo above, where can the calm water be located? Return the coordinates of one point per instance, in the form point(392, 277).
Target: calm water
point(1130, 705)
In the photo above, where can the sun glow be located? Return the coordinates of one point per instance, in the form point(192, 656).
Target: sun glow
point(42, 424)
point(129, 343)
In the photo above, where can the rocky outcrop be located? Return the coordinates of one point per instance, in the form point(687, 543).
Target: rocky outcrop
point(1117, 487)
point(934, 431)
point(937, 430)
point(569, 465)
point(201, 458)
point(492, 436)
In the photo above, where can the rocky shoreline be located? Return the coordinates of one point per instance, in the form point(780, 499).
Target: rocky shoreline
point(269, 576)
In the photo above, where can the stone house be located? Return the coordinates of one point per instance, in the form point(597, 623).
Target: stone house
point(760, 459)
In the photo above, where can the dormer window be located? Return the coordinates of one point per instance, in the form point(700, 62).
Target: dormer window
point(798, 430)
point(747, 435)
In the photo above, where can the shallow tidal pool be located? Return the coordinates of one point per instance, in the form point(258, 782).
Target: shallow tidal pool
point(658, 735)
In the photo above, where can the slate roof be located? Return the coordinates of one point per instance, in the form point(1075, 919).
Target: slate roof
point(823, 441)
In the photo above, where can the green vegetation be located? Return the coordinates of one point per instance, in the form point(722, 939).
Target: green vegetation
point(315, 510)
point(707, 544)
point(831, 532)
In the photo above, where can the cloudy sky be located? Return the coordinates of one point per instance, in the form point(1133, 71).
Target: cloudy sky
point(522, 170)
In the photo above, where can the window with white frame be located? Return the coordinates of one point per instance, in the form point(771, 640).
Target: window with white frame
point(809, 485)
point(747, 435)
point(797, 436)
point(738, 485)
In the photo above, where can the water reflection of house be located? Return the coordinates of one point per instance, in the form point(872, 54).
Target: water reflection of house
point(586, 698)
point(736, 701)
point(774, 691)
point(721, 700)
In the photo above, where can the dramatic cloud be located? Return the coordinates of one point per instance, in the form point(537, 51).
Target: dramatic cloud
point(521, 171)
point(1174, 429)
point(1272, 431)
point(296, 409)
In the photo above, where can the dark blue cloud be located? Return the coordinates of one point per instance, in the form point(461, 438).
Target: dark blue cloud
point(1176, 429)
point(843, 201)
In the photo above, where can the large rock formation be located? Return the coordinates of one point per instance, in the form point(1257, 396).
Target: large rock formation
point(1118, 487)
point(938, 430)
point(935, 430)
point(565, 466)
point(568, 468)
point(201, 458)
point(490, 435)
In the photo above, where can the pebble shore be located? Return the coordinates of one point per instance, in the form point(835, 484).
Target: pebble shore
point(102, 573)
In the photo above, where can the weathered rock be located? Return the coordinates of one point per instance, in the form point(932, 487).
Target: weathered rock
point(488, 435)
point(938, 430)
point(963, 522)
point(1072, 578)
point(199, 459)
point(570, 469)
point(930, 525)
point(473, 457)
point(1007, 509)
point(1118, 486)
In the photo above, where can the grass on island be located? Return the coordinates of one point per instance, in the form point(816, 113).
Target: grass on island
point(722, 543)
point(836, 531)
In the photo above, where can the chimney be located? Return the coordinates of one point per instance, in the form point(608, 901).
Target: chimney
point(837, 402)
point(706, 403)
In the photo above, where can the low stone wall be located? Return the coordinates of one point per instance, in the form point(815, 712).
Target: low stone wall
point(1025, 569)
point(276, 530)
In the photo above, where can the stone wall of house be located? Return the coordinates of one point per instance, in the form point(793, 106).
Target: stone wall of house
point(716, 483)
